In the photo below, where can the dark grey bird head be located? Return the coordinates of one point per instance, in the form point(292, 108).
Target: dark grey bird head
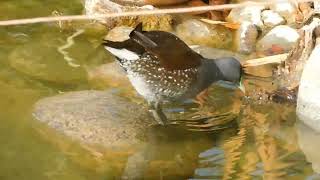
point(230, 69)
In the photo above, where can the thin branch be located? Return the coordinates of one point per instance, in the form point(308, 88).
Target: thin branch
point(275, 59)
point(139, 13)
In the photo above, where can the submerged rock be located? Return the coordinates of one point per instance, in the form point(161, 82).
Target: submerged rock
point(42, 61)
point(193, 32)
point(279, 40)
point(109, 75)
point(95, 117)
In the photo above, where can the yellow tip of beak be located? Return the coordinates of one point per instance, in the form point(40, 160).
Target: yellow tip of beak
point(241, 86)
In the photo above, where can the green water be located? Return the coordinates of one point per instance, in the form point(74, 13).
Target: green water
point(263, 143)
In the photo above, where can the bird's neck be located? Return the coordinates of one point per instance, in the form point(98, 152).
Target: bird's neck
point(209, 72)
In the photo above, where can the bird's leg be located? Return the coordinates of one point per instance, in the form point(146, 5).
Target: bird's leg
point(157, 113)
point(202, 97)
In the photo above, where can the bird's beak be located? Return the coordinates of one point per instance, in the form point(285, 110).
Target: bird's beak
point(241, 86)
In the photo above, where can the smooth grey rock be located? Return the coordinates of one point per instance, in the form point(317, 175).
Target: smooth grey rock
point(195, 32)
point(271, 18)
point(108, 75)
point(95, 117)
point(41, 60)
point(308, 103)
point(283, 37)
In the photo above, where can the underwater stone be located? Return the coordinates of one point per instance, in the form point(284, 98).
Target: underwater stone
point(95, 117)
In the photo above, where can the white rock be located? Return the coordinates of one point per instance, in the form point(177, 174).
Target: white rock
point(309, 143)
point(271, 18)
point(286, 10)
point(282, 37)
point(246, 38)
point(250, 13)
point(308, 104)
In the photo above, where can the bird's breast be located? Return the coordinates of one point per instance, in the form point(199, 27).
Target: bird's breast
point(156, 83)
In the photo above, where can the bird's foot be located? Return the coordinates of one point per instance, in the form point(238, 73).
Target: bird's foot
point(158, 114)
point(159, 117)
point(202, 97)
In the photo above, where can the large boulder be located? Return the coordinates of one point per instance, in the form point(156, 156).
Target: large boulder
point(308, 105)
point(95, 117)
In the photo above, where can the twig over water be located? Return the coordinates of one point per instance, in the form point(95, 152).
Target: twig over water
point(139, 13)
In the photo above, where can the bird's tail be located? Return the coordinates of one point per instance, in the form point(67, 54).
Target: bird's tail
point(139, 37)
point(115, 44)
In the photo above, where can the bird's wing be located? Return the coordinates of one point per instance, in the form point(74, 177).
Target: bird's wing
point(172, 52)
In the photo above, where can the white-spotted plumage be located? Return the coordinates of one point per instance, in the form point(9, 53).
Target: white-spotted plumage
point(150, 79)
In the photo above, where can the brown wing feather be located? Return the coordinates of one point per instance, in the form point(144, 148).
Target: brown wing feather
point(172, 52)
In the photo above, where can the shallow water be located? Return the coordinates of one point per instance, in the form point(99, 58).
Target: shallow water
point(263, 142)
